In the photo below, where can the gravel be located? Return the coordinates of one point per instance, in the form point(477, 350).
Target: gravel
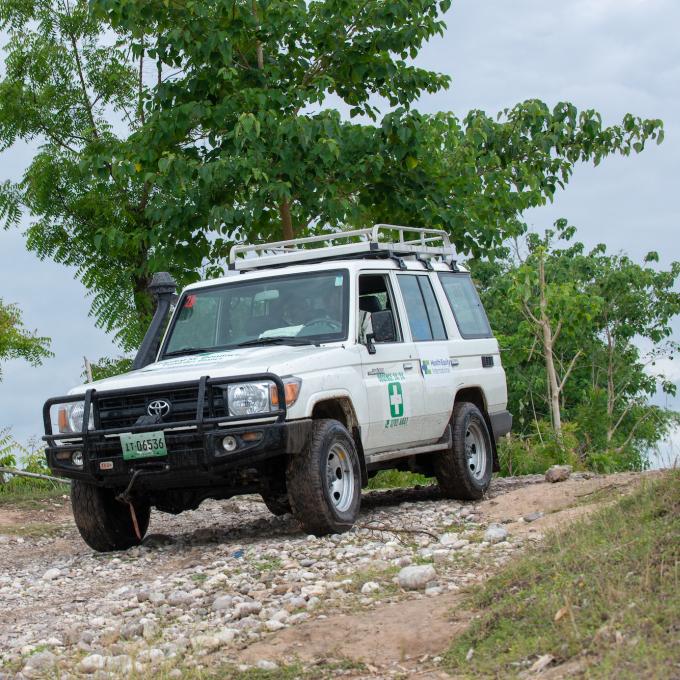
point(223, 576)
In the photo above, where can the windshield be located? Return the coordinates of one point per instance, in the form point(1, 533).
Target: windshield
point(295, 309)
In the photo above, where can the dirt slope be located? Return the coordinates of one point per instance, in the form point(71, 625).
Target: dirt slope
point(229, 583)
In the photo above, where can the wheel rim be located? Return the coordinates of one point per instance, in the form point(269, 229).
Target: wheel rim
point(476, 451)
point(340, 477)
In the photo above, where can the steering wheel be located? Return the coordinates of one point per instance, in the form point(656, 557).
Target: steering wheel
point(334, 325)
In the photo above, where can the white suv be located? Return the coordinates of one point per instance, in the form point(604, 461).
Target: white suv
point(298, 377)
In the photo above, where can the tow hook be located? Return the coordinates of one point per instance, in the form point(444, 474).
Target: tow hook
point(126, 499)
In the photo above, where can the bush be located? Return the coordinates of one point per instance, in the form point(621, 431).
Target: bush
point(397, 479)
point(536, 452)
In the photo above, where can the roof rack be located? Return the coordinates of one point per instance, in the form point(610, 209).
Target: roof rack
point(370, 242)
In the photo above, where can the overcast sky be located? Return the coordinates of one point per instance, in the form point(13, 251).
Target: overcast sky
point(615, 56)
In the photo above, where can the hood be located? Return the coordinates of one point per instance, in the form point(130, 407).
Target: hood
point(278, 359)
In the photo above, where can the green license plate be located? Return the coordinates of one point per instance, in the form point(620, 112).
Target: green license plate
point(145, 445)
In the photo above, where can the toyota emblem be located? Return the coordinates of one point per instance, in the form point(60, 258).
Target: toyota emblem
point(159, 407)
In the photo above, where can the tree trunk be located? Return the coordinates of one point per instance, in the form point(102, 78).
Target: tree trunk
point(286, 221)
point(548, 342)
point(610, 387)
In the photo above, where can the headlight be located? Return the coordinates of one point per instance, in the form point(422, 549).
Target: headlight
point(71, 417)
point(247, 399)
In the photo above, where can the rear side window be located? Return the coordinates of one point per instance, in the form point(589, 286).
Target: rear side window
point(424, 316)
point(466, 305)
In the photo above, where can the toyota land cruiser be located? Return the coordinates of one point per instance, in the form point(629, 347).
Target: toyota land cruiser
point(315, 364)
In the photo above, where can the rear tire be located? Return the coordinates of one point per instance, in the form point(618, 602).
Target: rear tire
point(324, 480)
point(464, 471)
point(104, 523)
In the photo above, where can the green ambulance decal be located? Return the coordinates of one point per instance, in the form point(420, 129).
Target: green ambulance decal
point(396, 399)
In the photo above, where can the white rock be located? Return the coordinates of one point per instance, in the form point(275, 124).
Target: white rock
point(266, 665)
point(42, 661)
point(51, 574)
point(448, 538)
point(222, 602)
point(416, 577)
point(179, 597)
point(92, 663)
point(370, 587)
point(274, 625)
point(495, 533)
point(210, 643)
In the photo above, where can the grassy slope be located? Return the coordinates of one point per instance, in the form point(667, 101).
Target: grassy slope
point(602, 595)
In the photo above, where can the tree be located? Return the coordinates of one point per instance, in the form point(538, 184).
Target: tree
point(169, 131)
point(581, 332)
point(240, 126)
point(77, 93)
point(16, 342)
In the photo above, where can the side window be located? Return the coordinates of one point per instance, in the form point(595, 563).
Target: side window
point(424, 316)
point(375, 295)
point(466, 305)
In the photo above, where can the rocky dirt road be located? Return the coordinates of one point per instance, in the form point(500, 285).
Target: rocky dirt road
point(230, 584)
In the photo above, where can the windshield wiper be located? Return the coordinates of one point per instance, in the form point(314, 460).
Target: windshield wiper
point(276, 340)
point(188, 350)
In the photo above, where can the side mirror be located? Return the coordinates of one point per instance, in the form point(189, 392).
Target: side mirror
point(383, 326)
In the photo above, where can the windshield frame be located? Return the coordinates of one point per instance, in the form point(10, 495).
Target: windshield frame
point(343, 271)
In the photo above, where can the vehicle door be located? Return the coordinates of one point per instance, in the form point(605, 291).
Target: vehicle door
point(391, 374)
point(431, 342)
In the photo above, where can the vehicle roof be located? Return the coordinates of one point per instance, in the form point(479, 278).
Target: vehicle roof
point(353, 265)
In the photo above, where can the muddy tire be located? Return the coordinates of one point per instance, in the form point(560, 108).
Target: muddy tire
point(103, 522)
point(464, 470)
point(324, 480)
point(277, 504)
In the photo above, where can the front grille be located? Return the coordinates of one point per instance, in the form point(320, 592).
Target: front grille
point(124, 410)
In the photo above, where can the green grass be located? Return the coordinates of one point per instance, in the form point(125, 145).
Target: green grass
point(33, 530)
point(602, 595)
point(293, 671)
point(397, 479)
point(31, 495)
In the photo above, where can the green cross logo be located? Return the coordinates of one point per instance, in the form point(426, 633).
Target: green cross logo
point(396, 399)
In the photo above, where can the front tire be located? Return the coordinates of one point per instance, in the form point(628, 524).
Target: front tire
point(324, 480)
point(464, 471)
point(104, 523)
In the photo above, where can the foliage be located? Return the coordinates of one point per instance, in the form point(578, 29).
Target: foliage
point(239, 127)
point(30, 458)
point(7, 457)
point(16, 341)
point(535, 452)
point(601, 309)
point(167, 131)
point(397, 479)
point(601, 596)
point(70, 88)
point(108, 367)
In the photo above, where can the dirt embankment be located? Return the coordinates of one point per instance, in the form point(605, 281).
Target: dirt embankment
point(231, 584)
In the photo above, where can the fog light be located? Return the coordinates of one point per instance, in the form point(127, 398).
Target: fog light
point(77, 458)
point(229, 444)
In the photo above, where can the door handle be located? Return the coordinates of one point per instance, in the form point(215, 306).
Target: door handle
point(408, 366)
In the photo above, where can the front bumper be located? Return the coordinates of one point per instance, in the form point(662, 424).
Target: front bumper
point(195, 453)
